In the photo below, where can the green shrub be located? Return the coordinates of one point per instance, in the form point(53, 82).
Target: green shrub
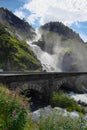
point(61, 99)
point(80, 89)
point(13, 110)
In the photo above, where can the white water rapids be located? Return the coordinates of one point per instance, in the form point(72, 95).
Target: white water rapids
point(79, 97)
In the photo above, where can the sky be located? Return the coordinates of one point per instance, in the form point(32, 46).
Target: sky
point(72, 13)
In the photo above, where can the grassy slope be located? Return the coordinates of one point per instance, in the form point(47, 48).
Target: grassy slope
point(15, 54)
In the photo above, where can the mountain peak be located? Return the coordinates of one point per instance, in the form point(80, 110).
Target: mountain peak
point(61, 29)
point(19, 27)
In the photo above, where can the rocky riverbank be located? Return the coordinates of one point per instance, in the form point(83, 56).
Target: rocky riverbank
point(48, 110)
point(43, 110)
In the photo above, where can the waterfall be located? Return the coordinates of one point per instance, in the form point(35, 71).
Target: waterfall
point(59, 55)
point(49, 61)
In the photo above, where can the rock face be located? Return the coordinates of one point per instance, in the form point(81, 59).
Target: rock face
point(68, 62)
point(61, 29)
point(49, 111)
point(15, 25)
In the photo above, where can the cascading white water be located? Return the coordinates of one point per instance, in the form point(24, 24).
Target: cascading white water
point(49, 61)
point(46, 59)
point(59, 55)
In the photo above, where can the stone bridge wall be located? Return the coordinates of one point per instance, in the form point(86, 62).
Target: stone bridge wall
point(45, 86)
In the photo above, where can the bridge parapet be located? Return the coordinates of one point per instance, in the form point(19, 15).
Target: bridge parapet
point(42, 82)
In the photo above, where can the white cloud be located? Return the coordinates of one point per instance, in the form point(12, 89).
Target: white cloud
point(19, 13)
point(66, 11)
point(84, 37)
point(31, 19)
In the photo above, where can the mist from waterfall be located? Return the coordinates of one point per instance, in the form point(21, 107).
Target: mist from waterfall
point(59, 54)
point(50, 62)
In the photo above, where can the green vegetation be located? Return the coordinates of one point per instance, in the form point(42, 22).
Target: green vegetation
point(15, 54)
point(80, 88)
point(57, 121)
point(61, 99)
point(14, 110)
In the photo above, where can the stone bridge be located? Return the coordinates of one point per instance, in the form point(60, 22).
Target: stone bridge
point(42, 82)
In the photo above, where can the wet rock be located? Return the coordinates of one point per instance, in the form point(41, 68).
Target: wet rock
point(47, 111)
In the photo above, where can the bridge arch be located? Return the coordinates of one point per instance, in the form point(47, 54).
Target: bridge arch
point(66, 86)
